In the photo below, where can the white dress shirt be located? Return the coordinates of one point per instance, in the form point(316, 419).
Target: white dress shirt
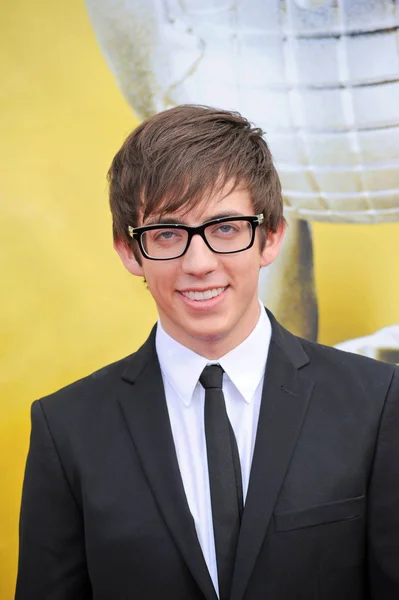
point(181, 368)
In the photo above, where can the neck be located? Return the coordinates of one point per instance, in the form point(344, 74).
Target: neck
point(214, 347)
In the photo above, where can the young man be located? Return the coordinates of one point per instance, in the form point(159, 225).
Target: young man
point(226, 457)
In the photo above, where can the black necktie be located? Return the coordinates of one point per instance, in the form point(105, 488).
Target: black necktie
point(224, 477)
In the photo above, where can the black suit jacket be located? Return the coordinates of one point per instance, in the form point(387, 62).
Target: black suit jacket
point(104, 514)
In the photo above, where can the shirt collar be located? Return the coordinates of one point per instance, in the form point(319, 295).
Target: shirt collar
point(244, 365)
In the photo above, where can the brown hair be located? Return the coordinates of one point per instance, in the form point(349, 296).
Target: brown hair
point(180, 156)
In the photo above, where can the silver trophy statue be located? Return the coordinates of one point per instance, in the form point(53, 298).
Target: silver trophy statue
point(320, 77)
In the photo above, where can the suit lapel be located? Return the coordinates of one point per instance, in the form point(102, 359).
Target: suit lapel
point(144, 406)
point(285, 399)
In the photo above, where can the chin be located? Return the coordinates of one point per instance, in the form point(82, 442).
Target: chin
point(210, 329)
point(208, 336)
point(212, 337)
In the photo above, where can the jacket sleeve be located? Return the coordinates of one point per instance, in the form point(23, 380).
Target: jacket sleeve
point(383, 507)
point(52, 563)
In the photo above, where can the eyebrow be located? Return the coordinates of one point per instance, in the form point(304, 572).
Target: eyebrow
point(177, 221)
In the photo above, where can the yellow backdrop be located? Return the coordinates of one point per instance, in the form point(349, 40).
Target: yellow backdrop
point(67, 306)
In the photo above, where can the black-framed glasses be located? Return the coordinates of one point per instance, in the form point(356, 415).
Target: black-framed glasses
point(226, 235)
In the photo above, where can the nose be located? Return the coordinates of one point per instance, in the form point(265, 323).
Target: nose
point(199, 260)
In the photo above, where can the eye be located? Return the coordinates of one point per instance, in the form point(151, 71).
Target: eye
point(226, 228)
point(165, 235)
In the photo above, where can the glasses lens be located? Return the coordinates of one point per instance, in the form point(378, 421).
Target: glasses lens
point(164, 242)
point(229, 236)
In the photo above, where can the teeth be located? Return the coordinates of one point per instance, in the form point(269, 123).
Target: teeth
point(204, 295)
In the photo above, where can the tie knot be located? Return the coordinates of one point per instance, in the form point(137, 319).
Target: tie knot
point(212, 377)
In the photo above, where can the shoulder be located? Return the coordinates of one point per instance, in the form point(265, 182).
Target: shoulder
point(87, 393)
point(338, 367)
point(343, 358)
point(329, 365)
point(95, 396)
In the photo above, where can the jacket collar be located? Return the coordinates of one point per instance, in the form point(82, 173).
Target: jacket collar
point(286, 341)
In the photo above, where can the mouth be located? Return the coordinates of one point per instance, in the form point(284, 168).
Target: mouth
point(203, 295)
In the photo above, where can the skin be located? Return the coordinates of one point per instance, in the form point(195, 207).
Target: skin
point(212, 327)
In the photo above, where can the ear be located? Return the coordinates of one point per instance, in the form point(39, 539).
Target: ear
point(272, 245)
point(128, 258)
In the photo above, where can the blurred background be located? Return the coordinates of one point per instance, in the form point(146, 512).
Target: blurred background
point(67, 305)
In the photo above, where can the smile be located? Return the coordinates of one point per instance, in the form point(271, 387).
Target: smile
point(205, 295)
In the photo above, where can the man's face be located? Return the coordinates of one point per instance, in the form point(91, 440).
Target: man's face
point(211, 327)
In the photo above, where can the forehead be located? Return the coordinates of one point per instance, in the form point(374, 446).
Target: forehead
point(225, 202)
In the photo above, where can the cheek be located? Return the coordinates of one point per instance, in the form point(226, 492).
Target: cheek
point(244, 267)
point(161, 278)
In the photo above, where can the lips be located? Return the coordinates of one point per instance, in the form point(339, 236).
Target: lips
point(203, 295)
